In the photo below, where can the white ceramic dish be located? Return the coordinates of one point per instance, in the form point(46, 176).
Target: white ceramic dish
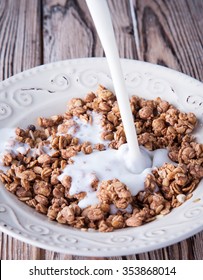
point(44, 90)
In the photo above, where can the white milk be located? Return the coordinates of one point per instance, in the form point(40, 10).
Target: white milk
point(107, 165)
point(86, 131)
point(8, 144)
point(5, 135)
point(114, 209)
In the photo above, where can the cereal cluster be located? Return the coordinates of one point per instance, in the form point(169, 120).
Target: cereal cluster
point(33, 178)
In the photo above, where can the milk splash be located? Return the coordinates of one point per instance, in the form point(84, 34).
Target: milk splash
point(107, 165)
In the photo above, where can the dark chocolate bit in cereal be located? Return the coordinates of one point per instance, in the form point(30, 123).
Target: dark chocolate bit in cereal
point(31, 127)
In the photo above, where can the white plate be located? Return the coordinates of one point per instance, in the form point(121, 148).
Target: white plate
point(44, 90)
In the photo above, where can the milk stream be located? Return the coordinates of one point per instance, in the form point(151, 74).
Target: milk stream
point(136, 159)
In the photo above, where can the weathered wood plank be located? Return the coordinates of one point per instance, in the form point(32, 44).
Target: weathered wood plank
point(123, 27)
point(171, 34)
point(20, 36)
point(68, 31)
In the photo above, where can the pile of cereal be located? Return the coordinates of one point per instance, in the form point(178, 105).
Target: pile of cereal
point(33, 176)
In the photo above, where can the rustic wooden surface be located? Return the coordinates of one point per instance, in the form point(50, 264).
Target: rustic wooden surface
point(166, 32)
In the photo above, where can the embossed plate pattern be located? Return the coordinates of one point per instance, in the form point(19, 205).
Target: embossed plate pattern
point(44, 90)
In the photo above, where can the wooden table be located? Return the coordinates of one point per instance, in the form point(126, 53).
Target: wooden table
point(165, 32)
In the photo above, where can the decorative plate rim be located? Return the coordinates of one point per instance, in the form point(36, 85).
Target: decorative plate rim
point(76, 242)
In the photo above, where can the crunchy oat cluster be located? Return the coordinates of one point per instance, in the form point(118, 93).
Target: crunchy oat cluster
point(33, 178)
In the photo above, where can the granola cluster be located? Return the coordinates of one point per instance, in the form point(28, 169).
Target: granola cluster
point(33, 177)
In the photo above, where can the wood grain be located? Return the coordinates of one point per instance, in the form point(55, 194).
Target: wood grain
point(20, 36)
point(68, 31)
point(164, 32)
point(170, 34)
